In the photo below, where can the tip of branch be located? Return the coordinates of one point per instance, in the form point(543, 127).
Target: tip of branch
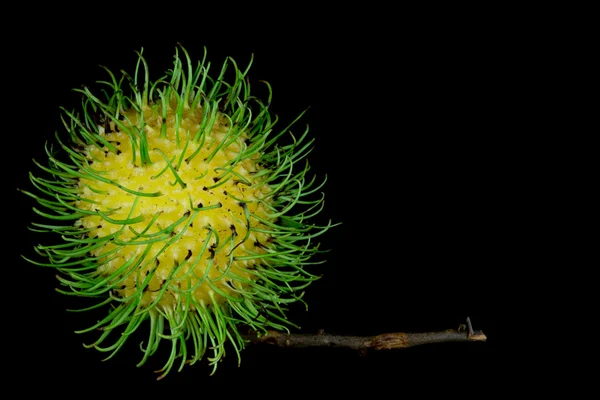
point(477, 336)
point(472, 335)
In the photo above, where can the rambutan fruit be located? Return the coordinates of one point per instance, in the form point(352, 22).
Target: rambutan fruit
point(179, 207)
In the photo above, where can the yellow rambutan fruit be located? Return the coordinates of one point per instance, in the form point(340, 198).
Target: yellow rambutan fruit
point(178, 207)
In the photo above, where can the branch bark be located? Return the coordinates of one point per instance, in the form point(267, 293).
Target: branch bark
point(386, 341)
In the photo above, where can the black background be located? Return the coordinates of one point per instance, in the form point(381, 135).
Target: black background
point(409, 116)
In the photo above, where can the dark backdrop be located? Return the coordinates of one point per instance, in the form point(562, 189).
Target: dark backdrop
point(409, 120)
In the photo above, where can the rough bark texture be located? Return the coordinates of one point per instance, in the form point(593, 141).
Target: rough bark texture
point(386, 341)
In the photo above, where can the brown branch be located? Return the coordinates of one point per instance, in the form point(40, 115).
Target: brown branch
point(384, 341)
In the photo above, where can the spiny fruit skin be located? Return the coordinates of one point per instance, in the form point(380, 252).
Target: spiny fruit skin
point(179, 209)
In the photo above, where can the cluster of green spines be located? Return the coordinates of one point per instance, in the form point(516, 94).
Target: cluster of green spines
point(279, 270)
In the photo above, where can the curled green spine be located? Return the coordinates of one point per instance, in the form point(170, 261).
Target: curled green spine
point(179, 209)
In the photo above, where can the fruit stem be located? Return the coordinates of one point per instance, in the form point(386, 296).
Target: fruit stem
point(386, 341)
